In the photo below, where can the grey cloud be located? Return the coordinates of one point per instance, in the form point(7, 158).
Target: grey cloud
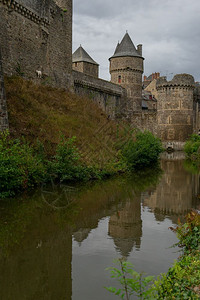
point(169, 31)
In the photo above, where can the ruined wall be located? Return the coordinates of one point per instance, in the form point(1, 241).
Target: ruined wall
point(130, 70)
point(87, 68)
point(175, 107)
point(37, 35)
point(110, 97)
point(3, 106)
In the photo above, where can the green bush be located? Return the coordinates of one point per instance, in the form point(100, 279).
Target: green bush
point(20, 168)
point(66, 165)
point(181, 281)
point(192, 145)
point(142, 152)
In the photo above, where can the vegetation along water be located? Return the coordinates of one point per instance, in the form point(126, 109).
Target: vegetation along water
point(72, 221)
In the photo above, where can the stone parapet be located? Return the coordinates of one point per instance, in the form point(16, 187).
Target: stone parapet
point(98, 84)
point(110, 97)
point(179, 80)
point(26, 12)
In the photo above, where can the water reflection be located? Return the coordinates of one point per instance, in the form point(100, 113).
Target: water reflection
point(41, 236)
point(125, 227)
point(177, 191)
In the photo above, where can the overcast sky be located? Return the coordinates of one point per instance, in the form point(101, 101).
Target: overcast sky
point(168, 29)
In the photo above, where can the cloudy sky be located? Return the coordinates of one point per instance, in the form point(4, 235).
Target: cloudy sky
point(168, 29)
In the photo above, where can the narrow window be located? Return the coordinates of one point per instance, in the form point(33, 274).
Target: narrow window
point(119, 79)
point(75, 64)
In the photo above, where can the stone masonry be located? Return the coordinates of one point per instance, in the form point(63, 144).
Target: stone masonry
point(3, 106)
point(126, 69)
point(175, 107)
point(35, 36)
point(108, 96)
point(36, 43)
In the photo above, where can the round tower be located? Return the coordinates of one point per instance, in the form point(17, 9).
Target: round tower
point(126, 69)
point(175, 108)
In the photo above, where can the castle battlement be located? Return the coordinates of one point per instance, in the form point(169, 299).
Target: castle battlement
point(179, 81)
point(26, 12)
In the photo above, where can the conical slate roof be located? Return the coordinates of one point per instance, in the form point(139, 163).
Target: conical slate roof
point(80, 55)
point(126, 48)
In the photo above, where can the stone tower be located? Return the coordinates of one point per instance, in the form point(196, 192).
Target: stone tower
point(82, 62)
point(175, 107)
point(126, 69)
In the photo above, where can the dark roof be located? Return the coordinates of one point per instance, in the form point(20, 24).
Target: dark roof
point(126, 48)
point(80, 55)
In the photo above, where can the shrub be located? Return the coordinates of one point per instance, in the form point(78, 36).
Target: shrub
point(66, 165)
point(142, 152)
point(189, 232)
point(20, 168)
point(181, 281)
point(192, 145)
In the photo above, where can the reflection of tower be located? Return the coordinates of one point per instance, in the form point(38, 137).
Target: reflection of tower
point(125, 227)
point(81, 234)
point(175, 192)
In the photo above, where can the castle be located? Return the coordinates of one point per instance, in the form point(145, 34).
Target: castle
point(36, 42)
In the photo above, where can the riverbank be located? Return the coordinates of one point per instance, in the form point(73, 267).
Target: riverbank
point(182, 279)
point(57, 136)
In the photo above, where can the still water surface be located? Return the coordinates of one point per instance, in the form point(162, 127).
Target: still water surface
point(57, 243)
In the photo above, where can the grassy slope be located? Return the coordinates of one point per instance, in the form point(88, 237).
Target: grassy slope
point(43, 112)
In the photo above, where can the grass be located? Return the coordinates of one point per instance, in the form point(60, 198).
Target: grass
point(44, 113)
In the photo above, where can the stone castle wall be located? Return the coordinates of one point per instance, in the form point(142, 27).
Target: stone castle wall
point(86, 68)
point(37, 35)
point(110, 97)
point(3, 106)
point(175, 107)
point(145, 120)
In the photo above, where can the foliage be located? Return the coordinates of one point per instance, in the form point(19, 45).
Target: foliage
point(189, 232)
point(182, 279)
point(192, 147)
point(132, 283)
point(20, 168)
point(65, 166)
point(142, 152)
point(24, 166)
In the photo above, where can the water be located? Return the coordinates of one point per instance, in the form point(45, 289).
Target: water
point(57, 243)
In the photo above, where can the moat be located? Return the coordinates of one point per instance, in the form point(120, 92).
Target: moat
point(57, 243)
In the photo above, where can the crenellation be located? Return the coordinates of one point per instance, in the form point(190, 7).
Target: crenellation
point(24, 11)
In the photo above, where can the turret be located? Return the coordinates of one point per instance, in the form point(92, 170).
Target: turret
point(82, 62)
point(126, 69)
point(175, 107)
